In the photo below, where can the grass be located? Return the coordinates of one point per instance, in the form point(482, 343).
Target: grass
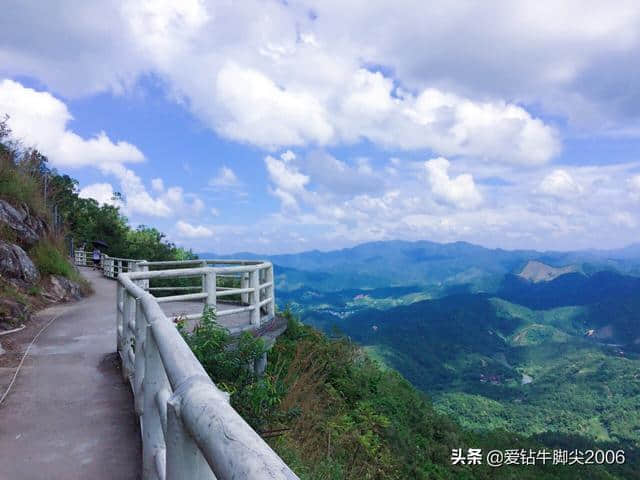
point(48, 256)
point(18, 185)
point(50, 260)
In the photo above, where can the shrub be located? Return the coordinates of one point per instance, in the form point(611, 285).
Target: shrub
point(19, 183)
point(229, 363)
point(50, 260)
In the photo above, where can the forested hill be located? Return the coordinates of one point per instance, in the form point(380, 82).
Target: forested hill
point(562, 355)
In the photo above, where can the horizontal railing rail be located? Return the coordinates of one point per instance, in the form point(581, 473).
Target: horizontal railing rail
point(255, 286)
point(189, 429)
point(253, 279)
point(111, 266)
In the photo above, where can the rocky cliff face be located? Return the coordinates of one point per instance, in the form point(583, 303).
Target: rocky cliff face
point(26, 228)
point(16, 266)
point(22, 287)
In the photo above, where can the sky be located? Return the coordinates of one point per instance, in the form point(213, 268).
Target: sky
point(284, 126)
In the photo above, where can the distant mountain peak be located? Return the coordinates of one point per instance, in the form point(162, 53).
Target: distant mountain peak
point(536, 271)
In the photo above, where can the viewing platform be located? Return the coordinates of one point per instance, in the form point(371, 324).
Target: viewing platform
point(244, 296)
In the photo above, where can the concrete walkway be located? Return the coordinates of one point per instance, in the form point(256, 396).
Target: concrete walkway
point(70, 415)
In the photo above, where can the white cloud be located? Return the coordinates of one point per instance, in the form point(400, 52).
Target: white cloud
point(624, 219)
point(157, 184)
point(560, 183)
point(214, 211)
point(226, 178)
point(459, 191)
point(39, 119)
point(197, 205)
point(100, 192)
point(258, 111)
point(285, 176)
point(289, 80)
point(288, 156)
point(634, 186)
point(270, 75)
point(193, 231)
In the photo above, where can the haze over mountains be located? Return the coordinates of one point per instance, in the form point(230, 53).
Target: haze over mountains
point(401, 263)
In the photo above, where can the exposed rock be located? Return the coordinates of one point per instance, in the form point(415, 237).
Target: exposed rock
point(12, 313)
point(28, 228)
point(16, 266)
point(535, 271)
point(60, 289)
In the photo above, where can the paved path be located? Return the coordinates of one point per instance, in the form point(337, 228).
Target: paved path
point(69, 415)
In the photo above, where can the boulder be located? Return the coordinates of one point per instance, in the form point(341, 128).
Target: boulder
point(60, 289)
point(28, 228)
point(16, 266)
point(13, 313)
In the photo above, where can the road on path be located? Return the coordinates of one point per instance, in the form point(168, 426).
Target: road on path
point(69, 414)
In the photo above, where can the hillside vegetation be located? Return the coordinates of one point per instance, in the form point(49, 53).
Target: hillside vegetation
point(570, 364)
point(332, 412)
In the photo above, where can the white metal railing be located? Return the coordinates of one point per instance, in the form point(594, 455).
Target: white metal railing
point(111, 266)
point(189, 429)
point(254, 280)
point(80, 257)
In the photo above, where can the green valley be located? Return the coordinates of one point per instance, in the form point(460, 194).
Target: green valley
point(560, 355)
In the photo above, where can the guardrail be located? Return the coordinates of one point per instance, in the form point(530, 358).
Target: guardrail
point(111, 266)
point(253, 279)
point(189, 429)
point(80, 258)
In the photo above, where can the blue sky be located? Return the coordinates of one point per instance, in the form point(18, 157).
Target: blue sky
point(263, 127)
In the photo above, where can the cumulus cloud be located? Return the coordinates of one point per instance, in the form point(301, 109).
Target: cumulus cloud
point(560, 183)
point(274, 76)
point(193, 231)
point(440, 200)
point(157, 184)
point(447, 123)
point(39, 119)
point(287, 81)
point(459, 191)
point(226, 178)
point(103, 193)
point(288, 181)
point(634, 186)
point(258, 111)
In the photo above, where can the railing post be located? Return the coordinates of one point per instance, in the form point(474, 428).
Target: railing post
point(119, 268)
point(203, 264)
point(119, 316)
point(244, 283)
point(154, 380)
point(143, 267)
point(184, 459)
point(141, 333)
point(210, 286)
point(272, 292)
point(254, 281)
point(128, 334)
